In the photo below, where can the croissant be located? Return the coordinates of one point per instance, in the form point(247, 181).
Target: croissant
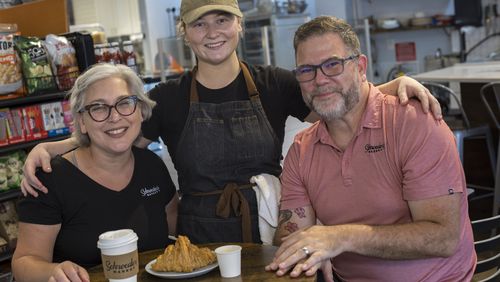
point(183, 257)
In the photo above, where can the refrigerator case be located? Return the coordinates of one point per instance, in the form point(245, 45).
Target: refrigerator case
point(268, 39)
point(283, 31)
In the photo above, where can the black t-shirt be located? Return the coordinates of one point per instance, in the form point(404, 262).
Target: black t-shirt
point(279, 93)
point(85, 209)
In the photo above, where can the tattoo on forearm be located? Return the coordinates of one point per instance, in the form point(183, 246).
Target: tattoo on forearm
point(291, 227)
point(285, 215)
point(301, 212)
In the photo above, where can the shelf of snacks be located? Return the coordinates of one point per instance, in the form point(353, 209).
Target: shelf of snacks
point(10, 194)
point(30, 144)
point(6, 255)
point(8, 229)
point(32, 99)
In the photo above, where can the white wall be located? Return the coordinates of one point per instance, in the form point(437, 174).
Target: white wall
point(335, 8)
point(155, 23)
point(115, 21)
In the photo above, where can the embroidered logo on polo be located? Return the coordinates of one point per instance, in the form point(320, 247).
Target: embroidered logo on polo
point(148, 192)
point(374, 148)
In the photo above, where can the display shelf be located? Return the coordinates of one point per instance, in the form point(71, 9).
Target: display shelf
point(411, 28)
point(6, 255)
point(32, 99)
point(10, 194)
point(29, 144)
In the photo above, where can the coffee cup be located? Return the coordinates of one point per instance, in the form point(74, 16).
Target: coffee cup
point(229, 259)
point(120, 260)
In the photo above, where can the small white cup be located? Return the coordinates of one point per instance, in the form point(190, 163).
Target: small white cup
point(229, 259)
point(120, 259)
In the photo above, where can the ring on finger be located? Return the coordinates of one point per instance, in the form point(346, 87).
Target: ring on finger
point(306, 251)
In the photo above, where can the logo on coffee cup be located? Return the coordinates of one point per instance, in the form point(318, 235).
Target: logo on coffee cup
point(122, 266)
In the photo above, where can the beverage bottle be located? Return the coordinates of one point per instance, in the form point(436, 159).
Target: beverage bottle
point(115, 55)
point(128, 55)
point(99, 53)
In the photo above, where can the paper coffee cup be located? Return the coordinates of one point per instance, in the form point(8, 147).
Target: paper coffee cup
point(120, 259)
point(229, 259)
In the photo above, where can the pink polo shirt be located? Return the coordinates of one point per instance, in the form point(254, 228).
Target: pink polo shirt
point(399, 154)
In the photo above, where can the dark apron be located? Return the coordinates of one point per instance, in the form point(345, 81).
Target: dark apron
point(220, 148)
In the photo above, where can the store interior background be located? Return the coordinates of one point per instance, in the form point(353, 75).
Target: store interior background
point(149, 21)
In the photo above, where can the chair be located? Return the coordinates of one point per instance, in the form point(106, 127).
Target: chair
point(490, 94)
point(462, 129)
point(487, 248)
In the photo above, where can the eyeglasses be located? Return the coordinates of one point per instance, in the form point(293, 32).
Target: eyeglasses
point(100, 112)
point(330, 67)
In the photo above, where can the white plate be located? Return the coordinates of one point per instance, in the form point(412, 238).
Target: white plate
point(179, 275)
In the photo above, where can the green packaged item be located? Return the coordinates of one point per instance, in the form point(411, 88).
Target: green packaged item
point(11, 170)
point(35, 64)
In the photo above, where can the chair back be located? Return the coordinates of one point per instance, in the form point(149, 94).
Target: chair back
point(444, 95)
point(487, 246)
point(490, 94)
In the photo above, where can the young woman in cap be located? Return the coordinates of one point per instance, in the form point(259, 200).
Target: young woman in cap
point(223, 123)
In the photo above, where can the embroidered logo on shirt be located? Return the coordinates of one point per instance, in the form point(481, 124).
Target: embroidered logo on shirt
point(374, 148)
point(148, 192)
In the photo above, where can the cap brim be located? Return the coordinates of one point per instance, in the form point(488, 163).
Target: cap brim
point(195, 14)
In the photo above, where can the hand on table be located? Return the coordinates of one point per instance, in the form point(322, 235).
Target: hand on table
point(306, 251)
point(69, 271)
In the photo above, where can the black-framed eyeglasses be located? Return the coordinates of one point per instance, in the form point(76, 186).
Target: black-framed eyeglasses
point(100, 112)
point(330, 67)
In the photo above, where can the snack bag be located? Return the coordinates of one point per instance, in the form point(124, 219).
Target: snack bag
point(63, 60)
point(10, 65)
point(35, 64)
point(11, 170)
point(14, 165)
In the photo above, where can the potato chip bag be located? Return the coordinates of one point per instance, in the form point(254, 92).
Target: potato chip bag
point(35, 64)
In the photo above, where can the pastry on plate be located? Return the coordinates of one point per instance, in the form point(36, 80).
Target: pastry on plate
point(183, 257)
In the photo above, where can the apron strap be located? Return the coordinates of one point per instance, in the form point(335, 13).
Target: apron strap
point(232, 198)
point(251, 88)
point(193, 93)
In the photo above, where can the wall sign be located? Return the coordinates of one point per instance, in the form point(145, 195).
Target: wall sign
point(406, 51)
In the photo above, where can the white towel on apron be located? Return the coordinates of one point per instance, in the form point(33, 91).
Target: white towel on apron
point(268, 193)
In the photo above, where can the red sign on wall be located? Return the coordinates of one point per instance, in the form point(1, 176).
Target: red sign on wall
point(406, 51)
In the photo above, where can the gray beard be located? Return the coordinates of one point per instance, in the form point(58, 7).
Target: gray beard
point(347, 102)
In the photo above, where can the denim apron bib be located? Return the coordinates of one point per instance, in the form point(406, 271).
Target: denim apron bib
point(220, 148)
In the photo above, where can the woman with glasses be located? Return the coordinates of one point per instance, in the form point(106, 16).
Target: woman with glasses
point(223, 123)
point(104, 184)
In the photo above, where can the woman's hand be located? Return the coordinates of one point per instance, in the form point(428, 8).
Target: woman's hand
point(38, 157)
point(68, 271)
point(409, 87)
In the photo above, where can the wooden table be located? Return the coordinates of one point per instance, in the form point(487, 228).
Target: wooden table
point(253, 259)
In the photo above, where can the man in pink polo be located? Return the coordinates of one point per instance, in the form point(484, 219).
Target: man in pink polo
point(384, 180)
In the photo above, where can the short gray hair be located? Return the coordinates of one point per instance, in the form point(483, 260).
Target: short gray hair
point(328, 24)
point(99, 72)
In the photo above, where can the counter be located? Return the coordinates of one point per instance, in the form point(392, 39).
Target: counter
point(482, 72)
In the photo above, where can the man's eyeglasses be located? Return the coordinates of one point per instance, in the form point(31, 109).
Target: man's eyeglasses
point(330, 67)
point(100, 112)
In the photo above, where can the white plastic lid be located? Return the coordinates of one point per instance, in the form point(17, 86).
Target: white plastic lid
point(116, 238)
